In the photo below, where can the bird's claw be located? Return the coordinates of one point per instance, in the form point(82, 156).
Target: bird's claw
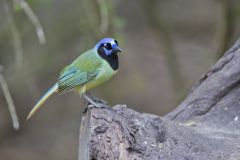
point(90, 106)
point(98, 104)
point(94, 102)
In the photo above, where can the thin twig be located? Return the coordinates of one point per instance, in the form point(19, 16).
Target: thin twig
point(104, 17)
point(9, 100)
point(33, 18)
point(17, 43)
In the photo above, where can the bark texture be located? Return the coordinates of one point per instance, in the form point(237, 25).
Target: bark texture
point(204, 126)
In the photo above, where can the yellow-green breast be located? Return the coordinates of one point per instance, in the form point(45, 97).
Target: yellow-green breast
point(105, 72)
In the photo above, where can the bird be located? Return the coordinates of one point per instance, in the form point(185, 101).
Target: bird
point(92, 68)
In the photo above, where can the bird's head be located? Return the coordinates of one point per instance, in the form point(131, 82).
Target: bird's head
point(107, 46)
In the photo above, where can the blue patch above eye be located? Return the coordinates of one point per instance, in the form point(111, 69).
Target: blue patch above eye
point(114, 45)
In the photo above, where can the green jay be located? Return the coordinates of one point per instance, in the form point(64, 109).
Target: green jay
point(89, 70)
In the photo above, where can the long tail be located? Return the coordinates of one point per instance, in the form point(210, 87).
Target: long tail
point(39, 104)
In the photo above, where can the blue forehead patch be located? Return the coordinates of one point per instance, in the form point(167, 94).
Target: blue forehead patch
point(104, 40)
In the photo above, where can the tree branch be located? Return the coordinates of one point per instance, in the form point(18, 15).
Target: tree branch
point(204, 126)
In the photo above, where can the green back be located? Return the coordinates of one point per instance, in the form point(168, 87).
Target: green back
point(85, 68)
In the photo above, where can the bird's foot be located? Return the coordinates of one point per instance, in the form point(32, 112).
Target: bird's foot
point(94, 99)
point(94, 103)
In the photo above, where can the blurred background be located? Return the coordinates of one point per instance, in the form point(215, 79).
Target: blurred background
point(167, 46)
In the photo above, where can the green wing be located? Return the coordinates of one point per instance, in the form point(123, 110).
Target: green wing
point(85, 68)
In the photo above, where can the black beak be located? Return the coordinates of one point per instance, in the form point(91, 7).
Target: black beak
point(117, 49)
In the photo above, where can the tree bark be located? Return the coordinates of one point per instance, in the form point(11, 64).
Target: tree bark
point(204, 126)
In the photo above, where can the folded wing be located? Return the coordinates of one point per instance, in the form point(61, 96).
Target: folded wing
point(74, 77)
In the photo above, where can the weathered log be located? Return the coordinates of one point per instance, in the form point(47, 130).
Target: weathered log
point(204, 126)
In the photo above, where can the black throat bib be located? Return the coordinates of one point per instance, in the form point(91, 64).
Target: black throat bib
point(111, 59)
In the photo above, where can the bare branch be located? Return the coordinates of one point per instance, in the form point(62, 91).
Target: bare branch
point(33, 18)
point(9, 100)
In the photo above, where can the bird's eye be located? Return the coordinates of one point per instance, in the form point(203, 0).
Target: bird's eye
point(116, 42)
point(108, 46)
